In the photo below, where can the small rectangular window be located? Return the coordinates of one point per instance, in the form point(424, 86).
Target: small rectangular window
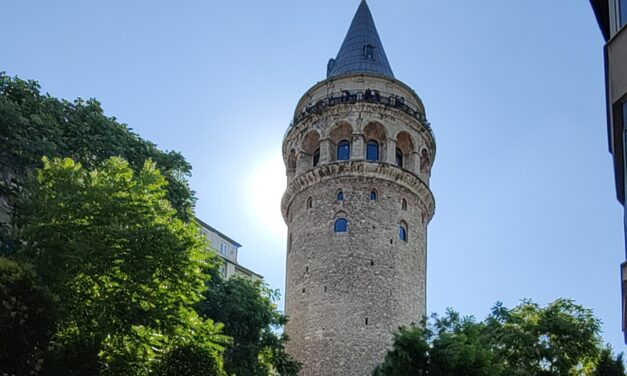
point(224, 249)
point(369, 52)
point(622, 5)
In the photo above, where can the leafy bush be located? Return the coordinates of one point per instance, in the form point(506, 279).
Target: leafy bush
point(191, 360)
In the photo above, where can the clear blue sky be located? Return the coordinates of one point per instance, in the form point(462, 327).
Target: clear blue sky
point(514, 91)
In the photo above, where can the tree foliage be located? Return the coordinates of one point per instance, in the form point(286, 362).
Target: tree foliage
point(105, 271)
point(557, 340)
point(250, 317)
point(24, 320)
point(449, 346)
point(609, 364)
point(190, 360)
point(34, 125)
point(124, 272)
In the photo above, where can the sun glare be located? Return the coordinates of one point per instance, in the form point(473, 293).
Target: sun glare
point(265, 191)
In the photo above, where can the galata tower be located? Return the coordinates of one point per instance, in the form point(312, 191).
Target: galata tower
point(358, 156)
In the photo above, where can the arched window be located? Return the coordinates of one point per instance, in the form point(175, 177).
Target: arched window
point(340, 196)
point(402, 232)
point(316, 157)
point(372, 151)
point(399, 157)
point(344, 150)
point(309, 203)
point(373, 196)
point(341, 225)
point(404, 204)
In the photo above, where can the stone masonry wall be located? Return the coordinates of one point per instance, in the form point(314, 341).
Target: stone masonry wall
point(346, 293)
point(337, 281)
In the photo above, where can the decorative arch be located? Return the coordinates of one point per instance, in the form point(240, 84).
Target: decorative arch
point(310, 148)
point(375, 136)
point(375, 131)
point(341, 139)
point(340, 214)
point(310, 142)
point(405, 146)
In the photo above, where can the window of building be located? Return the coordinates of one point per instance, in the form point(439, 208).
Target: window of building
point(224, 249)
point(309, 203)
point(369, 52)
point(399, 157)
point(402, 231)
point(404, 204)
point(372, 151)
point(340, 196)
point(622, 5)
point(341, 225)
point(223, 270)
point(343, 150)
point(373, 196)
point(316, 157)
point(625, 114)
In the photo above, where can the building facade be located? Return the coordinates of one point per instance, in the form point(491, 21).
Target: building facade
point(227, 249)
point(612, 18)
point(358, 159)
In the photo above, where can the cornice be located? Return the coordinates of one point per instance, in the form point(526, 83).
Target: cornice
point(363, 169)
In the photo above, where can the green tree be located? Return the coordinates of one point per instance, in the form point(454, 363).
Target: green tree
point(451, 345)
point(458, 347)
point(190, 360)
point(558, 340)
point(609, 365)
point(33, 125)
point(409, 354)
point(250, 317)
point(25, 326)
point(124, 273)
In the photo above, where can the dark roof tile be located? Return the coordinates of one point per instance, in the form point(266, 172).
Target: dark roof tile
point(362, 50)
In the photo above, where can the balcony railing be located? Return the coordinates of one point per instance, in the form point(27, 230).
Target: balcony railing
point(368, 96)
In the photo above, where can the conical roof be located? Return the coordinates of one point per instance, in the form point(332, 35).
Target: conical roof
point(362, 50)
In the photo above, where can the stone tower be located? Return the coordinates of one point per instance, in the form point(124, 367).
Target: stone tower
point(358, 156)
